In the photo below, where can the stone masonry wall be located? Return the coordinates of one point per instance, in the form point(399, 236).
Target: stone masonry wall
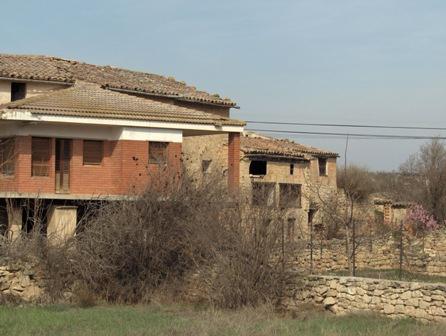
point(395, 299)
point(22, 280)
point(421, 255)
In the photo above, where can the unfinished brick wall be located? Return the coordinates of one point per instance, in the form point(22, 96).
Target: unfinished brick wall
point(124, 169)
point(22, 181)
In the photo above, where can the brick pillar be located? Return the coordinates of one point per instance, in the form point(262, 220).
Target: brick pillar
point(175, 161)
point(233, 161)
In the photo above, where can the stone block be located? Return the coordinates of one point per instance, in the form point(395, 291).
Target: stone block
point(351, 290)
point(412, 302)
point(321, 290)
point(399, 309)
point(437, 311)
point(332, 293)
point(423, 304)
point(329, 301)
point(389, 309)
point(438, 297)
point(406, 295)
point(366, 299)
point(415, 286)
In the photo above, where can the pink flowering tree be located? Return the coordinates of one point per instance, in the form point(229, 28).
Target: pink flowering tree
point(420, 220)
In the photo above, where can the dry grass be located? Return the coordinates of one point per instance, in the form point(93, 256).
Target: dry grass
point(185, 320)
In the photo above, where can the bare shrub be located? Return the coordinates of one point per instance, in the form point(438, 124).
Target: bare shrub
point(128, 251)
point(10, 299)
point(29, 248)
point(131, 248)
point(84, 297)
point(245, 273)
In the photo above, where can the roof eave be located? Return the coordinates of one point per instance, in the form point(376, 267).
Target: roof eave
point(173, 96)
point(38, 80)
point(36, 116)
point(274, 156)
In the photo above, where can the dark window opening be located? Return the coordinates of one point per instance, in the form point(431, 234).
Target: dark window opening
point(93, 152)
point(257, 168)
point(263, 194)
point(18, 91)
point(40, 156)
point(205, 164)
point(291, 169)
point(290, 195)
point(158, 152)
point(322, 166)
point(7, 156)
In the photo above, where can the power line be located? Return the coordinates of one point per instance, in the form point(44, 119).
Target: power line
point(356, 135)
point(347, 125)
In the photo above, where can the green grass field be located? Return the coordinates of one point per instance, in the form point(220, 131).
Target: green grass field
point(176, 320)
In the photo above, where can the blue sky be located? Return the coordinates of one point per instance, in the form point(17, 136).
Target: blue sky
point(344, 61)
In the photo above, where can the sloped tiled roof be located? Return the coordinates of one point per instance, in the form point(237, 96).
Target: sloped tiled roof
point(92, 101)
point(33, 67)
point(254, 144)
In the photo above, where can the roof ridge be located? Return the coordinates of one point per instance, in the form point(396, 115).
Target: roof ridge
point(284, 141)
point(68, 70)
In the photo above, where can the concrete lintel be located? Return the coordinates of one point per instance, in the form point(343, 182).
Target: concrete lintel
point(56, 196)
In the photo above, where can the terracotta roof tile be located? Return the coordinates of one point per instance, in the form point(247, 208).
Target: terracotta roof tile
point(61, 70)
point(253, 144)
point(90, 100)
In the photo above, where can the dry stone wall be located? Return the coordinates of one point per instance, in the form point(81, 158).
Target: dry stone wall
point(395, 299)
point(421, 255)
point(21, 280)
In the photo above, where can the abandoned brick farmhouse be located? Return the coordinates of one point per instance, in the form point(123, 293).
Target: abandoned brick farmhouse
point(72, 131)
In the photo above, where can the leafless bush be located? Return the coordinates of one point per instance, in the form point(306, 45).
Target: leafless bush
point(125, 251)
point(30, 247)
point(245, 272)
point(133, 247)
point(10, 299)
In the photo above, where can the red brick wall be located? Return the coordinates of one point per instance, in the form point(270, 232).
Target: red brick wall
point(25, 182)
point(124, 169)
point(233, 161)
